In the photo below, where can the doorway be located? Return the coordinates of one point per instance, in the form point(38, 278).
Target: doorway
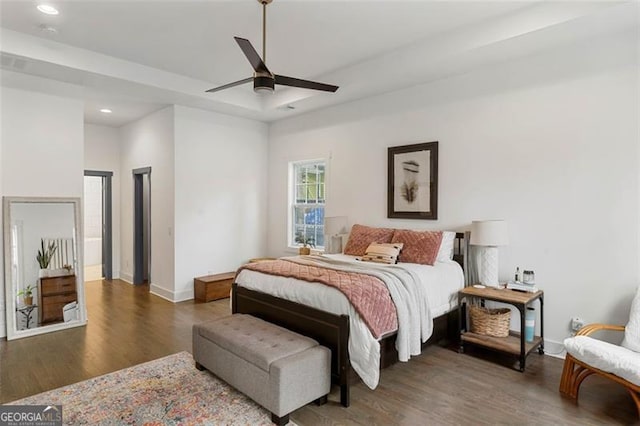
point(97, 225)
point(142, 226)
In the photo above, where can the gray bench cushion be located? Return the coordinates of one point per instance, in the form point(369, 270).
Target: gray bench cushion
point(257, 341)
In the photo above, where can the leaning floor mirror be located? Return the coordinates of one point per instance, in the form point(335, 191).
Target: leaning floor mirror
point(44, 285)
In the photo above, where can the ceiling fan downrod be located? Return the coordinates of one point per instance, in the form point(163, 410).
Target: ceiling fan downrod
point(264, 4)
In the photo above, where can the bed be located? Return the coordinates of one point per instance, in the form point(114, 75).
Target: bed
point(324, 314)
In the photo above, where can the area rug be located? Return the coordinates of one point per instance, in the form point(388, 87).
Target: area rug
point(166, 391)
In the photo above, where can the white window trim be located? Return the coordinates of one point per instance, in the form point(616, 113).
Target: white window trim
point(291, 197)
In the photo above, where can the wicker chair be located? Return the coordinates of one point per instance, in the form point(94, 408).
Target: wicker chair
point(576, 370)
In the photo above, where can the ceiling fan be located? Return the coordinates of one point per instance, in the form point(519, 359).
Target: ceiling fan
point(263, 79)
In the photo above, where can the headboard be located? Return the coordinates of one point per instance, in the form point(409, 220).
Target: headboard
point(461, 253)
point(64, 254)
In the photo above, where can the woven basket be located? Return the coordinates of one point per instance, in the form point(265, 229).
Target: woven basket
point(491, 322)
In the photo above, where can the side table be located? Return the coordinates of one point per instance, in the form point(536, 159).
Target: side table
point(514, 343)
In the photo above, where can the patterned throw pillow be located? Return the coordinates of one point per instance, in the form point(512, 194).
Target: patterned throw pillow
point(382, 253)
point(361, 236)
point(419, 246)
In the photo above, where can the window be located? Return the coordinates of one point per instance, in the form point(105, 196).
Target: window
point(306, 183)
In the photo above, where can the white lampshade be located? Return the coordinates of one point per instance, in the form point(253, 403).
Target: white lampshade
point(491, 233)
point(335, 225)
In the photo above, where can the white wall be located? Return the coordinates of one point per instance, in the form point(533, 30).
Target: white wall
point(208, 194)
point(149, 142)
point(221, 198)
point(102, 152)
point(41, 140)
point(549, 143)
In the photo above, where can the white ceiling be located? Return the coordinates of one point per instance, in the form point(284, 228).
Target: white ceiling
point(137, 56)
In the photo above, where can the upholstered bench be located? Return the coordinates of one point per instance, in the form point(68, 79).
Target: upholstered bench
point(279, 369)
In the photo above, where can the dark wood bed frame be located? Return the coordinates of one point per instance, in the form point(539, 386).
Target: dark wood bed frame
point(332, 330)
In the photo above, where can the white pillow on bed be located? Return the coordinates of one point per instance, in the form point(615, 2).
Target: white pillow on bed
point(445, 252)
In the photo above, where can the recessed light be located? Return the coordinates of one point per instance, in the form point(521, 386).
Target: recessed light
point(49, 10)
point(106, 110)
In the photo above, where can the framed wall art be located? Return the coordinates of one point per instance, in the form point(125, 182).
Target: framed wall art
point(412, 191)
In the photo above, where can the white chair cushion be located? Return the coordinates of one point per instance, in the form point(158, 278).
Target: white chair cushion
point(605, 356)
point(632, 330)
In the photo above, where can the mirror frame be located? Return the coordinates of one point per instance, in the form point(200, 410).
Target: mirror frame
point(10, 296)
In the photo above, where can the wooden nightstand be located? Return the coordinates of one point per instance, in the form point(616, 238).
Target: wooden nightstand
point(514, 343)
point(213, 287)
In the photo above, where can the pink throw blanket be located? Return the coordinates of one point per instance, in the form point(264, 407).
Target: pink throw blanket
point(368, 294)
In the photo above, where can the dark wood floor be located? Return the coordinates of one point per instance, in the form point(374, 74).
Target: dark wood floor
point(128, 326)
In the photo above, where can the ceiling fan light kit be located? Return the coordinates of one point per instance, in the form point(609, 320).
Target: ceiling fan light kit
point(263, 79)
point(263, 84)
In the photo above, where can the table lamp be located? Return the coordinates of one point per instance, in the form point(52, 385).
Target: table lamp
point(488, 234)
point(333, 227)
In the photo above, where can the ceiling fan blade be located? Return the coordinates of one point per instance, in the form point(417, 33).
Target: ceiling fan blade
point(252, 55)
point(235, 83)
point(305, 84)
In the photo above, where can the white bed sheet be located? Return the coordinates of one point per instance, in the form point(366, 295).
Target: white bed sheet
point(441, 283)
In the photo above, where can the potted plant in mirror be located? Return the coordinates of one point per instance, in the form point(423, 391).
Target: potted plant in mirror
point(45, 254)
point(27, 295)
point(307, 243)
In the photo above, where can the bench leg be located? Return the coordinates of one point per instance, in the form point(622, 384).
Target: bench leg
point(344, 395)
point(280, 421)
point(321, 401)
point(200, 366)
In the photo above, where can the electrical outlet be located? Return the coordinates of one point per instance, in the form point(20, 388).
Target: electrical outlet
point(576, 323)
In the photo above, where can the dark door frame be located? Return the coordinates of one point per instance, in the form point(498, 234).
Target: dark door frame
point(138, 234)
point(107, 227)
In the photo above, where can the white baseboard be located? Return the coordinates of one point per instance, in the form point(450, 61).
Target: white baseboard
point(554, 349)
point(126, 277)
point(170, 295)
point(161, 292)
point(181, 296)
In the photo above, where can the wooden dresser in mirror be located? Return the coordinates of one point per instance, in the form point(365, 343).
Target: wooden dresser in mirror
point(54, 293)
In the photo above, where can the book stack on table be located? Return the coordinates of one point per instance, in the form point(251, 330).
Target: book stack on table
point(520, 286)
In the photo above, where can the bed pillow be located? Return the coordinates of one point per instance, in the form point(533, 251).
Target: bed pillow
point(445, 253)
point(382, 253)
point(361, 236)
point(632, 329)
point(419, 246)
